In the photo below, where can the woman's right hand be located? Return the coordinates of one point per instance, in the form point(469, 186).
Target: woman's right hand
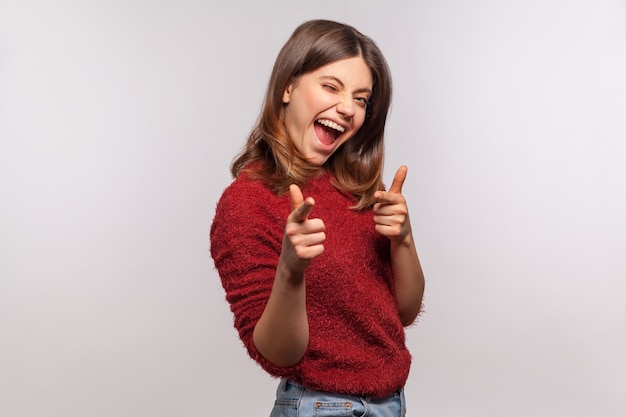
point(282, 333)
point(304, 238)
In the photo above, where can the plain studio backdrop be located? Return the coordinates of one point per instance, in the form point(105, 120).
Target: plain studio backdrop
point(118, 122)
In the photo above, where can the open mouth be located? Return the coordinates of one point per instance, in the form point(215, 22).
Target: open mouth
point(328, 131)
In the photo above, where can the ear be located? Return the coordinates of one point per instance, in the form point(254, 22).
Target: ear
point(287, 93)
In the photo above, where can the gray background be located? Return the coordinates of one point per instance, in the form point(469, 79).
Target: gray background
point(118, 121)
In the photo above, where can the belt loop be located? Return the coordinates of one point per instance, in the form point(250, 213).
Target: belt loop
point(366, 407)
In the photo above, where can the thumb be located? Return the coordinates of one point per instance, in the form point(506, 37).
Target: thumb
point(300, 209)
point(398, 180)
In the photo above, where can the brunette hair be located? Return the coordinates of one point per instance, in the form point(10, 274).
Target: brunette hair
point(357, 165)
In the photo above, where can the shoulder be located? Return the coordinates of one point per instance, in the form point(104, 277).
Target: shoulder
point(245, 192)
point(248, 201)
point(249, 218)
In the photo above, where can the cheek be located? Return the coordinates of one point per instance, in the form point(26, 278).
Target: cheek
point(359, 121)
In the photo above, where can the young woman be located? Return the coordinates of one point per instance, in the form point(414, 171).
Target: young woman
point(317, 259)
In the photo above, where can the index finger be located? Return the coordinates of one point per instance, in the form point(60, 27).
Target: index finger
point(398, 180)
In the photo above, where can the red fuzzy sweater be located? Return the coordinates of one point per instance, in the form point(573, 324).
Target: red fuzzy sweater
point(356, 340)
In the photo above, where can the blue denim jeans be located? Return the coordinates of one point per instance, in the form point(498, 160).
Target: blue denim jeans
point(293, 400)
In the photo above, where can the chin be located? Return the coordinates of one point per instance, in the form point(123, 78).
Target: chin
point(318, 160)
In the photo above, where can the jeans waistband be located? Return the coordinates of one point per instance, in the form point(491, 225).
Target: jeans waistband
point(285, 383)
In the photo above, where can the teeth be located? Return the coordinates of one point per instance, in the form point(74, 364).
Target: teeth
point(331, 124)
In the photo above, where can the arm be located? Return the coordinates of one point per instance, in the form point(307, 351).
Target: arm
point(391, 217)
point(282, 333)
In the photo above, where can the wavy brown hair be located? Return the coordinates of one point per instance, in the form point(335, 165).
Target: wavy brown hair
point(357, 165)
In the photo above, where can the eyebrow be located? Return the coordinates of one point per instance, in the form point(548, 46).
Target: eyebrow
point(338, 81)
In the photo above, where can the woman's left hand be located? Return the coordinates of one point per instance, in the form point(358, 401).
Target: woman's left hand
point(392, 220)
point(391, 215)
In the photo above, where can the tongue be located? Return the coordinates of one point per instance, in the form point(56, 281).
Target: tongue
point(325, 134)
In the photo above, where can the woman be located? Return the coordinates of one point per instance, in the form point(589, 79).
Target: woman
point(317, 260)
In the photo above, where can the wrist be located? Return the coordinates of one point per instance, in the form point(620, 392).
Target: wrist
point(289, 276)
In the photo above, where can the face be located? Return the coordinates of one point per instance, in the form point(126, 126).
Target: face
point(326, 107)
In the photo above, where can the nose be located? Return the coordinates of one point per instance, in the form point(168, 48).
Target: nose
point(346, 107)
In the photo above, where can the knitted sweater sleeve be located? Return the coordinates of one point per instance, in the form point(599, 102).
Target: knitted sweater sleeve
point(245, 244)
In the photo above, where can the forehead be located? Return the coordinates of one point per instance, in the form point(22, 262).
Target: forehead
point(352, 72)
